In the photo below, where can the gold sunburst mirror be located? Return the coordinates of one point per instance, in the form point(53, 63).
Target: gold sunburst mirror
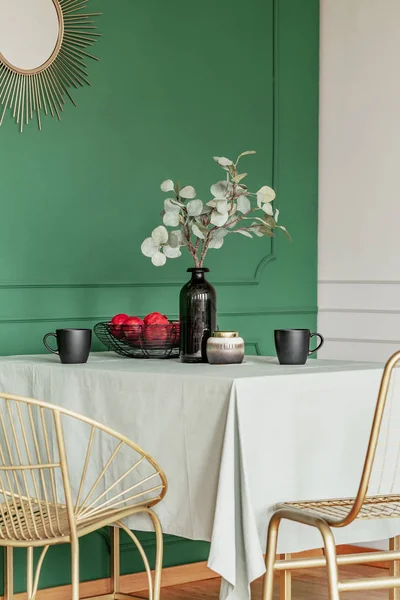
point(44, 46)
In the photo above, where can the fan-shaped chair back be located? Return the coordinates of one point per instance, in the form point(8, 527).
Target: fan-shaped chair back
point(41, 497)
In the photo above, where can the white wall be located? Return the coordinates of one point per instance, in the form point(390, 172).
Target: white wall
point(359, 195)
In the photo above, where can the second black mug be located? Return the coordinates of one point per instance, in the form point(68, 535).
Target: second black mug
point(293, 345)
point(73, 345)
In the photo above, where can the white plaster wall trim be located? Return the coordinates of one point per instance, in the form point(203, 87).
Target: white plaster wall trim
point(371, 311)
point(368, 297)
point(362, 341)
point(358, 282)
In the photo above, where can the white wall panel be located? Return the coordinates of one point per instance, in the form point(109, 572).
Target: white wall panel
point(359, 200)
point(376, 295)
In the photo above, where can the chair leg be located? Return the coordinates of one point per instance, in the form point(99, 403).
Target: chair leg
point(285, 581)
point(8, 573)
point(331, 563)
point(115, 560)
point(272, 541)
point(29, 572)
point(159, 553)
point(154, 586)
point(394, 568)
point(330, 553)
point(75, 568)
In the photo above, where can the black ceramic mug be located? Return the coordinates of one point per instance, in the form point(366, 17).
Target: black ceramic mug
point(73, 345)
point(293, 345)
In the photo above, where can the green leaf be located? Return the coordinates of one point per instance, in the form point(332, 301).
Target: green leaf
point(149, 247)
point(232, 170)
point(221, 189)
point(171, 252)
point(244, 232)
point(264, 195)
point(256, 230)
point(176, 238)
point(188, 192)
point(170, 205)
point(269, 221)
point(246, 153)
point(216, 243)
point(223, 162)
point(260, 230)
point(171, 219)
point(267, 208)
point(219, 219)
point(167, 185)
point(238, 178)
point(160, 235)
point(194, 208)
point(197, 231)
point(243, 204)
point(217, 238)
point(158, 259)
point(266, 231)
point(285, 231)
point(254, 219)
point(219, 233)
point(222, 206)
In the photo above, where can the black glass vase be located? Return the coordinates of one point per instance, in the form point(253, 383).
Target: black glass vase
point(198, 316)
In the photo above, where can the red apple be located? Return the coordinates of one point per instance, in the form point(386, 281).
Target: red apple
point(132, 328)
point(117, 321)
point(158, 332)
point(157, 328)
point(155, 318)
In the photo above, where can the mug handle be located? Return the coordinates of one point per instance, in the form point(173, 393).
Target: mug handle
point(321, 343)
point(46, 344)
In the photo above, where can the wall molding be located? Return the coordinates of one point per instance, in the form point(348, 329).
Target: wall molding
point(362, 341)
point(256, 346)
point(379, 311)
point(124, 285)
point(251, 312)
point(358, 282)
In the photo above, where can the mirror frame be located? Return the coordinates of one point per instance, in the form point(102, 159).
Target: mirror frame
point(41, 91)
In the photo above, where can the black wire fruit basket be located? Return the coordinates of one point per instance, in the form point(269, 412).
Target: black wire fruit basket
point(140, 341)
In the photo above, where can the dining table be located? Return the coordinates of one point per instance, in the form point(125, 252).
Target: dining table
point(233, 440)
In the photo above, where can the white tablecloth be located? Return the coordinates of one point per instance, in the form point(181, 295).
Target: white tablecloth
point(233, 441)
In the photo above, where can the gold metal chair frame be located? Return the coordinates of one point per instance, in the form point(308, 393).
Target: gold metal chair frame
point(325, 514)
point(31, 456)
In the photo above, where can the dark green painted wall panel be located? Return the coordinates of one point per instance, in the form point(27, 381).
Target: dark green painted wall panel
point(177, 83)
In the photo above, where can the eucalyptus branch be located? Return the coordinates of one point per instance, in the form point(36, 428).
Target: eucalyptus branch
point(192, 249)
point(209, 223)
point(204, 250)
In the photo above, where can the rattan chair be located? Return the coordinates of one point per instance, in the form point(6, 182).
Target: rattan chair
point(326, 514)
point(44, 503)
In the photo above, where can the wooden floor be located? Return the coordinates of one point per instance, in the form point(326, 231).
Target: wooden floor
point(307, 585)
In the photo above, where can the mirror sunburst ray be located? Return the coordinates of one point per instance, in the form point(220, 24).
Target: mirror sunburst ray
point(35, 93)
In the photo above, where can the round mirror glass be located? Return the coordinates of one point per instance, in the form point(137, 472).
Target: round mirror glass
point(29, 30)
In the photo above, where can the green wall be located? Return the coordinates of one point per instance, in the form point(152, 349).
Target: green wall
point(178, 82)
